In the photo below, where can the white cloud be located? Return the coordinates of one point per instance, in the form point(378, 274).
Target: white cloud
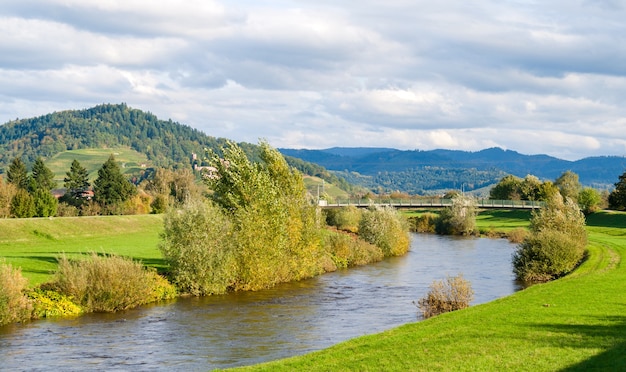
point(537, 78)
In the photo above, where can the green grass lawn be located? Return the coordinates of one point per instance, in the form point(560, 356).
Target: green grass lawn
point(34, 243)
point(576, 323)
point(92, 160)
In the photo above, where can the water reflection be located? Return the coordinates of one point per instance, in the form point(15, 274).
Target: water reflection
point(248, 328)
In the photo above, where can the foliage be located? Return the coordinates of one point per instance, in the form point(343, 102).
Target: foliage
point(77, 183)
point(385, 228)
point(171, 187)
point(7, 192)
point(568, 185)
point(424, 223)
point(66, 210)
point(22, 204)
point(198, 244)
point(14, 305)
point(48, 303)
point(104, 283)
point(453, 293)
point(344, 218)
point(589, 200)
point(276, 229)
point(346, 250)
point(529, 188)
point(459, 218)
point(556, 243)
point(45, 203)
point(17, 173)
point(111, 188)
point(617, 198)
point(41, 177)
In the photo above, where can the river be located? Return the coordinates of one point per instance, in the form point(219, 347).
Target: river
point(252, 327)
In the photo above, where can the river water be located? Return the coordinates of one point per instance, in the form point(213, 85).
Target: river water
point(252, 327)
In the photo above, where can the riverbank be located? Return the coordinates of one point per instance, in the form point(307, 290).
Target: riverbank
point(574, 323)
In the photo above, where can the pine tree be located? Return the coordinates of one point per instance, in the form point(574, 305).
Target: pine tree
point(617, 198)
point(22, 204)
point(111, 188)
point(42, 177)
point(76, 181)
point(17, 174)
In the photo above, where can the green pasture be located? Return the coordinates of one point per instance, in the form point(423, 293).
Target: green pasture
point(35, 243)
point(576, 323)
point(92, 159)
point(315, 184)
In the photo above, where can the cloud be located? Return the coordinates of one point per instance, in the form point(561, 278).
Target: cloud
point(537, 78)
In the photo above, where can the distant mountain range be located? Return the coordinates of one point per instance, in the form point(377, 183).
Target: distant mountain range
point(420, 171)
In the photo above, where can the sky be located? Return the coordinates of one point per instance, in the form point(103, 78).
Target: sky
point(537, 77)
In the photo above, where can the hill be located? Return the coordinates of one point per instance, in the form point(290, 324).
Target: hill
point(438, 170)
point(139, 139)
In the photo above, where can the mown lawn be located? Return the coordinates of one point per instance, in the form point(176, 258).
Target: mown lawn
point(35, 243)
point(575, 323)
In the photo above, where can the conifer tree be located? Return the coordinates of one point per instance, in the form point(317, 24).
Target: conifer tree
point(17, 174)
point(42, 177)
point(111, 188)
point(76, 182)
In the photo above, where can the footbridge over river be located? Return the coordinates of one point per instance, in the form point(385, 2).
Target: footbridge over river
point(431, 203)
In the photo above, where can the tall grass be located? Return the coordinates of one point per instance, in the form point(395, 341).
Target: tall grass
point(14, 305)
point(105, 283)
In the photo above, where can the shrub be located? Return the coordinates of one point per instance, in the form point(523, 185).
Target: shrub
point(453, 293)
point(66, 210)
point(346, 250)
point(424, 223)
point(345, 218)
point(14, 305)
point(517, 235)
point(104, 283)
point(198, 244)
point(48, 303)
point(459, 218)
point(385, 228)
point(556, 242)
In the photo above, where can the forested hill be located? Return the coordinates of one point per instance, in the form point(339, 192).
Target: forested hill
point(165, 143)
point(416, 171)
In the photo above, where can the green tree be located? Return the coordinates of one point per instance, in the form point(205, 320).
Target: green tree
point(569, 185)
point(41, 177)
point(45, 203)
point(617, 197)
point(507, 189)
point(17, 174)
point(76, 182)
point(111, 188)
point(22, 204)
point(589, 200)
point(556, 243)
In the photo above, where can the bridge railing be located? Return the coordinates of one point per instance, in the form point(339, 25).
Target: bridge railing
point(434, 202)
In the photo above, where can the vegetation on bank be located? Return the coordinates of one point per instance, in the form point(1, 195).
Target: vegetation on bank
point(572, 323)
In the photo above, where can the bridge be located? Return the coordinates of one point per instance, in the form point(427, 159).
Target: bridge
point(431, 203)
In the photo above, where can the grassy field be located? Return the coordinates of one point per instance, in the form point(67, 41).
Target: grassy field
point(34, 243)
point(313, 184)
point(576, 323)
point(92, 160)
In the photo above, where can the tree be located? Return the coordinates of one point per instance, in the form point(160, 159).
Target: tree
point(76, 182)
point(589, 200)
point(17, 174)
point(7, 191)
point(111, 188)
point(556, 243)
point(41, 177)
point(569, 185)
point(507, 189)
point(459, 218)
point(617, 197)
point(22, 204)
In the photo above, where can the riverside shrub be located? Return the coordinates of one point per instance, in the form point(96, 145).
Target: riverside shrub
point(556, 242)
point(344, 218)
point(385, 228)
point(459, 218)
point(453, 293)
point(346, 250)
point(14, 305)
point(104, 283)
point(198, 244)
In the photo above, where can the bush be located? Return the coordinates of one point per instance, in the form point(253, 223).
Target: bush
point(424, 223)
point(66, 210)
point(104, 283)
point(385, 228)
point(14, 305)
point(345, 218)
point(556, 242)
point(198, 244)
point(459, 218)
point(48, 303)
point(346, 250)
point(453, 293)
point(517, 235)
